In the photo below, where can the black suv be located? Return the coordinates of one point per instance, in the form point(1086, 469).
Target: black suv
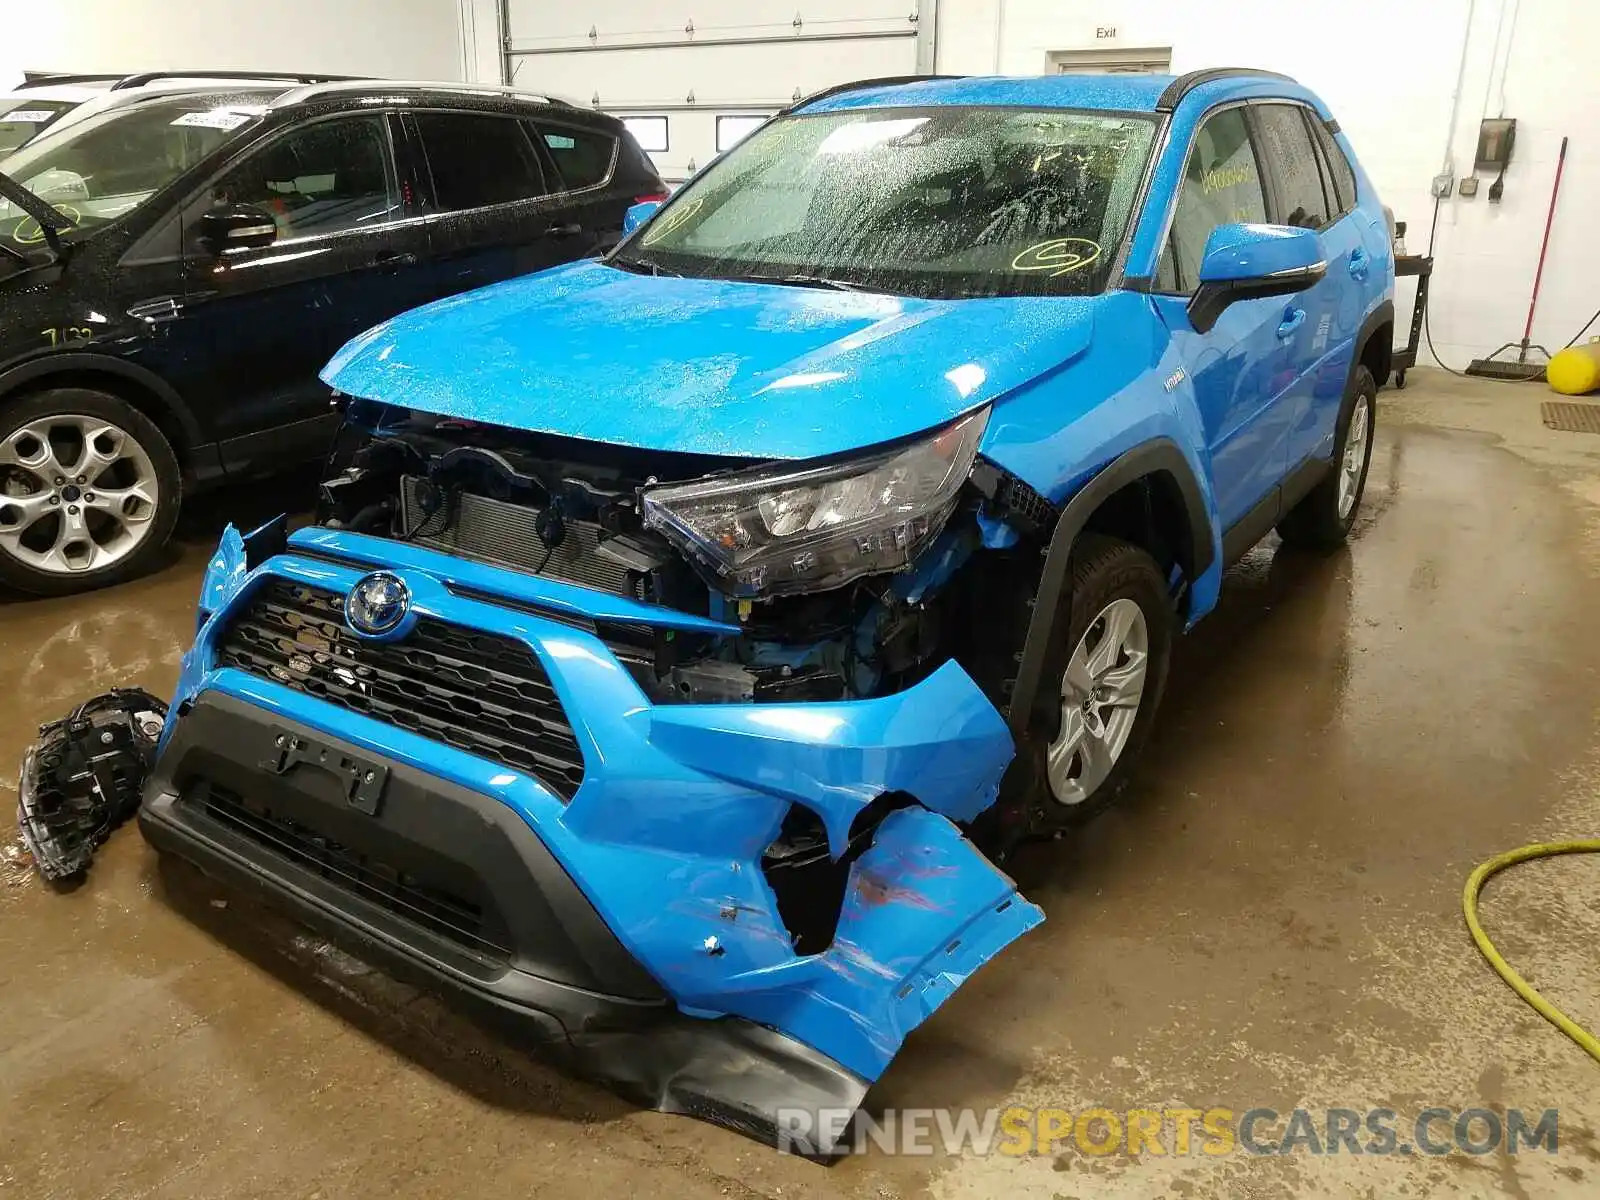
point(175, 271)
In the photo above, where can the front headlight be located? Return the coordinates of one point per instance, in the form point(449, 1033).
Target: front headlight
point(778, 530)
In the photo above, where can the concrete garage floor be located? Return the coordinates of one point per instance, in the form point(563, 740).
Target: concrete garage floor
point(1271, 920)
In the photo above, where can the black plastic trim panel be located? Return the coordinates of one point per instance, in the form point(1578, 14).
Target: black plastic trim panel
point(571, 990)
point(1180, 87)
point(1154, 457)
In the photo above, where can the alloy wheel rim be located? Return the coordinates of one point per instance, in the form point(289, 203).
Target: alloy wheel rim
point(77, 493)
point(1355, 457)
point(1101, 690)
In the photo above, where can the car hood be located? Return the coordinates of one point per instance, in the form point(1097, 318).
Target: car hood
point(707, 366)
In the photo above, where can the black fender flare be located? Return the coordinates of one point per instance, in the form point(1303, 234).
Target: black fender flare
point(41, 367)
point(1158, 456)
point(1383, 312)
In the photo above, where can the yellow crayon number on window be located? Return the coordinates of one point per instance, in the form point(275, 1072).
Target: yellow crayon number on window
point(67, 333)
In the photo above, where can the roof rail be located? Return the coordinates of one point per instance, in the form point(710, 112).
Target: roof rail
point(330, 84)
point(55, 80)
point(1184, 84)
point(133, 81)
point(856, 85)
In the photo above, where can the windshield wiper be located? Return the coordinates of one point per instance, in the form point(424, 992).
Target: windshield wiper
point(51, 221)
point(810, 281)
point(640, 266)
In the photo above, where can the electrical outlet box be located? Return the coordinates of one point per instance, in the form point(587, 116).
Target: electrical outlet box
point(1496, 137)
point(1468, 185)
point(1441, 185)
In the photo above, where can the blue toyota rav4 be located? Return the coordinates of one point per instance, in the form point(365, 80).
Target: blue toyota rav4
point(687, 623)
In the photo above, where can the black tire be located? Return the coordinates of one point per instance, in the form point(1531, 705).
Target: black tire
point(155, 529)
point(1315, 523)
point(1104, 570)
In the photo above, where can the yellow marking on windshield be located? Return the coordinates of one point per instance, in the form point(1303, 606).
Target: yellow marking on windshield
point(28, 230)
point(1059, 256)
point(675, 217)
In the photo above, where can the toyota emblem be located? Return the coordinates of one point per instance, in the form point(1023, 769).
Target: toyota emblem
point(377, 604)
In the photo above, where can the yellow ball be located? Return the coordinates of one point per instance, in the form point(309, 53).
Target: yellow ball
point(1576, 370)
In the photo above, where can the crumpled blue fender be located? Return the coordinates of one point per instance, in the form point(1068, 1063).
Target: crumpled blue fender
point(941, 742)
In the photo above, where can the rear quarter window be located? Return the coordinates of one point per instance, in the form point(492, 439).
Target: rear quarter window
point(1343, 176)
point(583, 156)
point(1286, 150)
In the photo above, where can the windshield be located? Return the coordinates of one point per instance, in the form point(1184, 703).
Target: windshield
point(941, 202)
point(21, 118)
point(102, 167)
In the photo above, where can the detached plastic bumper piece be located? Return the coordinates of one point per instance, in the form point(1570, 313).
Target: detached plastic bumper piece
point(484, 799)
point(83, 778)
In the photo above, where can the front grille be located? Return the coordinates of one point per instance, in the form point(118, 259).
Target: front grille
point(472, 923)
point(498, 532)
point(480, 692)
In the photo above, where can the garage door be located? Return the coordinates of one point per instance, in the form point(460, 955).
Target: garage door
point(690, 84)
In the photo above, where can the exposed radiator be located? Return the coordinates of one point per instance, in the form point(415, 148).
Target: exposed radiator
point(498, 532)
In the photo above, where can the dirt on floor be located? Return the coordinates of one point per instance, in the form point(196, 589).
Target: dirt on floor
point(1271, 921)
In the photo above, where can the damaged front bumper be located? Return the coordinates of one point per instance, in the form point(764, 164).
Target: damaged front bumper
point(487, 797)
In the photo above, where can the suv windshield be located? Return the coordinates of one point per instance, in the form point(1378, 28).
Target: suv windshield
point(102, 167)
point(21, 118)
point(939, 202)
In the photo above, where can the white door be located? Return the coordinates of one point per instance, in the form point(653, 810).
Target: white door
point(691, 79)
point(1156, 60)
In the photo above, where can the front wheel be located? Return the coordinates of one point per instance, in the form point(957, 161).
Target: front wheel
point(89, 491)
point(1102, 683)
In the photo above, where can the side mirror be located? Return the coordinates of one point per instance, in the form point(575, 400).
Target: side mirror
point(237, 227)
point(1248, 262)
point(638, 215)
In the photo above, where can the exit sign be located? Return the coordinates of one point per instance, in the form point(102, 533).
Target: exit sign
point(1103, 32)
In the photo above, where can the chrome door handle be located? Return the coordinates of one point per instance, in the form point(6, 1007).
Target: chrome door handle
point(163, 308)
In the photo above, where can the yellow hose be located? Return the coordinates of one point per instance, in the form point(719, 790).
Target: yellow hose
point(1469, 905)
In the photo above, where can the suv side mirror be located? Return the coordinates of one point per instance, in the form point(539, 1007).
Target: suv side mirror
point(237, 227)
point(1247, 262)
point(638, 215)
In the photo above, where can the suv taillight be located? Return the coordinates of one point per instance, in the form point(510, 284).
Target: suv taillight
point(653, 198)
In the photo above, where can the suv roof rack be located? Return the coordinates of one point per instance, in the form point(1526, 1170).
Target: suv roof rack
point(1184, 84)
point(856, 85)
point(140, 80)
point(329, 83)
point(56, 80)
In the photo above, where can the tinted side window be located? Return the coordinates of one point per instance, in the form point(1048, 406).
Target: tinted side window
point(1221, 186)
point(478, 159)
point(1287, 152)
point(1344, 178)
point(323, 178)
point(583, 156)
